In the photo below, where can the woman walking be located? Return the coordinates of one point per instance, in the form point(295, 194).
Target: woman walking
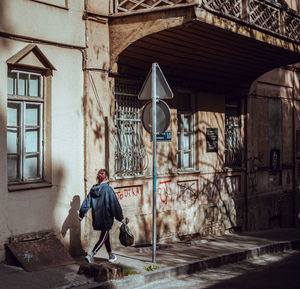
point(105, 207)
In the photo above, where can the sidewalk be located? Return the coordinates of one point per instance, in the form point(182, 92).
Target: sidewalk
point(172, 259)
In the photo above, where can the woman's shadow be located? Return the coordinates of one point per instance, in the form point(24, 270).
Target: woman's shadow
point(72, 223)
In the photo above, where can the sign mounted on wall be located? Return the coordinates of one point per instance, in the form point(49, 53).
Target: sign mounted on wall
point(163, 137)
point(275, 159)
point(212, 140)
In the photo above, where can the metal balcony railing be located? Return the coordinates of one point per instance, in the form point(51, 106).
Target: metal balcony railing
point(133, 5)
point(269, 15)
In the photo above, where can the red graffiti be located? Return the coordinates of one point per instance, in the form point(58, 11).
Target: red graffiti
point(163, 191)
point(128, 193)
point(120, 195)
point(136, 192)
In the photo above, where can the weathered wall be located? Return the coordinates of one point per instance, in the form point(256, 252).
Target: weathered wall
point(188, 204)
point(212, 200)
point(52, 208)
point(270, 118)
point(98, 110)
point(99, 7)
point(204, 201)
point(210, 114)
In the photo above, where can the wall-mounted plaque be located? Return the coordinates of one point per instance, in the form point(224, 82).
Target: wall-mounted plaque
point(211, 140)
point(275, 160)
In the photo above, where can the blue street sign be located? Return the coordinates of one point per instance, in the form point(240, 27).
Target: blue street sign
point(166, 136)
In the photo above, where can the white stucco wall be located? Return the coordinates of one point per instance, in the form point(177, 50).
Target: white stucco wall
point(45, 209)
point(51, 208)
point(41, 21)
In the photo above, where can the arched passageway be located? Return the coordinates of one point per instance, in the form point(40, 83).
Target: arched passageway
point(211, 171)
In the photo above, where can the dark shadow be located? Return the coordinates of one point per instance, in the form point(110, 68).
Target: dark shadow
point(73, 224)
point(270, 276)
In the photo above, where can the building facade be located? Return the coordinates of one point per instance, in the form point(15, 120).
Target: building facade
point(42, 120)
point(71, 72)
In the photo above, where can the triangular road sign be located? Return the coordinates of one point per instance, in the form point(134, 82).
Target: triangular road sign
point(163, 90)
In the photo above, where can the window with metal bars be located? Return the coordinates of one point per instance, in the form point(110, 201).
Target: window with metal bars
point(130, 153)
point(24, 126)
point(233, 143)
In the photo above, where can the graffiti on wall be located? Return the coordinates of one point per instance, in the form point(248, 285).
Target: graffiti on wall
point(130, 192)
point(129, 196)
point(188, 191)
point(163, 190)
point(212, 201)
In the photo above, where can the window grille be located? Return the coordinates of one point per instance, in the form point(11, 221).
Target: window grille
point(130, 153)
point(233, 144)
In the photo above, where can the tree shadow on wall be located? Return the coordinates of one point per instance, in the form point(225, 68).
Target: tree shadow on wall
point(218, 204)
point(73, 225)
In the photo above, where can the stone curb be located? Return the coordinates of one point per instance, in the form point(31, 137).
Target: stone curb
point(201, 265)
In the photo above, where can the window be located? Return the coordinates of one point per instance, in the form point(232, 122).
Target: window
point(233, 145)
point(185, 132)
point(130, 153)
point(24, 126)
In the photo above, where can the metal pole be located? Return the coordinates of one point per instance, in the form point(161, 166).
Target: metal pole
point(154, 98)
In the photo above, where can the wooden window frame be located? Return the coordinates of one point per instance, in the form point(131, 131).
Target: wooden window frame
point(44, 101)
point(23, 101)
point(191, 134)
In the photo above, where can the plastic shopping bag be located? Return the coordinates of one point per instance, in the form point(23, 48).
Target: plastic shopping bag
point(126, 237)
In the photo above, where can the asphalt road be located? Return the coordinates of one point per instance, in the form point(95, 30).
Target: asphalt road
point(278, 271)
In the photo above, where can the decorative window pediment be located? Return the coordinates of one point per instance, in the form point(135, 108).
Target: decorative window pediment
point(31, 56)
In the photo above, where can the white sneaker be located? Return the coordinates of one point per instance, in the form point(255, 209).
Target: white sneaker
point(112, 258)
point(89, 258)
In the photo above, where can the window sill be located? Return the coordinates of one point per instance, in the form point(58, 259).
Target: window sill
point(127, 177)
point(28, 186)
point(233, 169)
point(187, 171)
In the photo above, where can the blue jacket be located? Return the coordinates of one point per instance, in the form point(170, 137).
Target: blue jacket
point(105, 207)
